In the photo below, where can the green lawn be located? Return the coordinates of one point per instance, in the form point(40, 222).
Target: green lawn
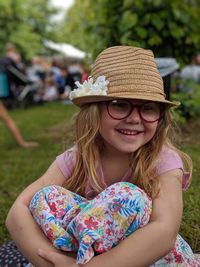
point(50, 125)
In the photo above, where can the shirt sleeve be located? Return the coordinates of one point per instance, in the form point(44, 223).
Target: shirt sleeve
point(169, 160)
point(66, 161)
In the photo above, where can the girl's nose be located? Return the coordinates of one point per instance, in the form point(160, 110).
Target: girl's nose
point(134, 117)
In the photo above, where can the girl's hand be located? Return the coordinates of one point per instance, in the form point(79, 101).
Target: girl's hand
point(57, 259)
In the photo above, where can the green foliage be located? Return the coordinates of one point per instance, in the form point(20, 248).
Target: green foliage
point(92, 25)
point(169, 28)
point(26, 24)
point(190, 101)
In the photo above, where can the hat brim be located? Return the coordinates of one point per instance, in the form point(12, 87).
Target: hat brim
point(80, 101)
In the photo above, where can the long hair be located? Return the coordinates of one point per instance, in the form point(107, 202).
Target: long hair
point(90, 145)
point(144, 159)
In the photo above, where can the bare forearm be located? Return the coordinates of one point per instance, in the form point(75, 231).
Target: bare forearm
point(21, 225)
point(27, 235)
point(141, 249)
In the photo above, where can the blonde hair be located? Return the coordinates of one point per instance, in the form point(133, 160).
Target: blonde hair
point(90, 145)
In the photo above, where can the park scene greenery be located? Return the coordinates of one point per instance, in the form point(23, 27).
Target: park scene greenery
point(169, 28)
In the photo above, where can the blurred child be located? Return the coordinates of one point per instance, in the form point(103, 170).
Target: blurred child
point(50, 89)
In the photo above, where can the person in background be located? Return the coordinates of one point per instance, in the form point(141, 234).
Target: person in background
point(119, 188)
point(192, 70)
point(50, 88)
point(65, 83)
point(11, 125)
point(75, 69)
point(85, 72)
point(14, 68)
point(190, 75)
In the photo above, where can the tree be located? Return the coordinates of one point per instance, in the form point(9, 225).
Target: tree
point(26, 24)
point(169, 28)
point(86, 24)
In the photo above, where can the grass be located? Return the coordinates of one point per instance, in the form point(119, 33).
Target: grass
point(50, 125)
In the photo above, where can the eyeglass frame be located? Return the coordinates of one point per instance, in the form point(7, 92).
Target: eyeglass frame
point(138, 107)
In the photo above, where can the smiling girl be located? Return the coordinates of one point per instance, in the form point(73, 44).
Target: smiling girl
point(115, 197)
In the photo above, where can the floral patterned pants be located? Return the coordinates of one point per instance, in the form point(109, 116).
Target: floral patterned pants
point(91, 227)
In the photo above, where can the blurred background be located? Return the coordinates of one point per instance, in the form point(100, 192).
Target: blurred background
point(57, 41)
point(46, 46)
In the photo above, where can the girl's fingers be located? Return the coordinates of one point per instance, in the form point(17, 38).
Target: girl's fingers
point(49, 255)
point(57, 259)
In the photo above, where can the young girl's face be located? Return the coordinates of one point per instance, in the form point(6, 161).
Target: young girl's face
point(128, 125)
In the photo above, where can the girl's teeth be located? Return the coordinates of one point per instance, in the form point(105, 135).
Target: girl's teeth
point(128, 132)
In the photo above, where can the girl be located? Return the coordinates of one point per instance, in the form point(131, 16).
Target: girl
point(124, 160)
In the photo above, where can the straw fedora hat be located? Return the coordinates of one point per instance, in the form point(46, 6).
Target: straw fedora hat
point(122, 72)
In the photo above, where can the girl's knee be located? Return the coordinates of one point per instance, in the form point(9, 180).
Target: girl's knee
point(128, 190)
point(129, 199)
point(47, 194)
point(55, 197)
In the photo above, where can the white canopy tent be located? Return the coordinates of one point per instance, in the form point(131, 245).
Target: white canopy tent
point(66, 49)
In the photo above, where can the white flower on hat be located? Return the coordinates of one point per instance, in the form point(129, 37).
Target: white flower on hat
point(90, 88)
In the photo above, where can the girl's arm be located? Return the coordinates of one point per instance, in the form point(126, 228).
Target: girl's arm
point(156, 239)
point(21, 225)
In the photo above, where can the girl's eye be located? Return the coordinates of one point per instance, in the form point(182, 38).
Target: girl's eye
point(150, 107)
point(120, 105)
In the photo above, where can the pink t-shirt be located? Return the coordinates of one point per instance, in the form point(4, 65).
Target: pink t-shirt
point(168, 160)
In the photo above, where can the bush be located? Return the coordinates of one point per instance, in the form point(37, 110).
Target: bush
point(188, 93)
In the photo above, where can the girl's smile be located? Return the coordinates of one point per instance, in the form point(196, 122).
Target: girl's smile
point(128, 131)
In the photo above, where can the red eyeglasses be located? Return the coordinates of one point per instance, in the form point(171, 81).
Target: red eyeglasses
point(119, 109)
